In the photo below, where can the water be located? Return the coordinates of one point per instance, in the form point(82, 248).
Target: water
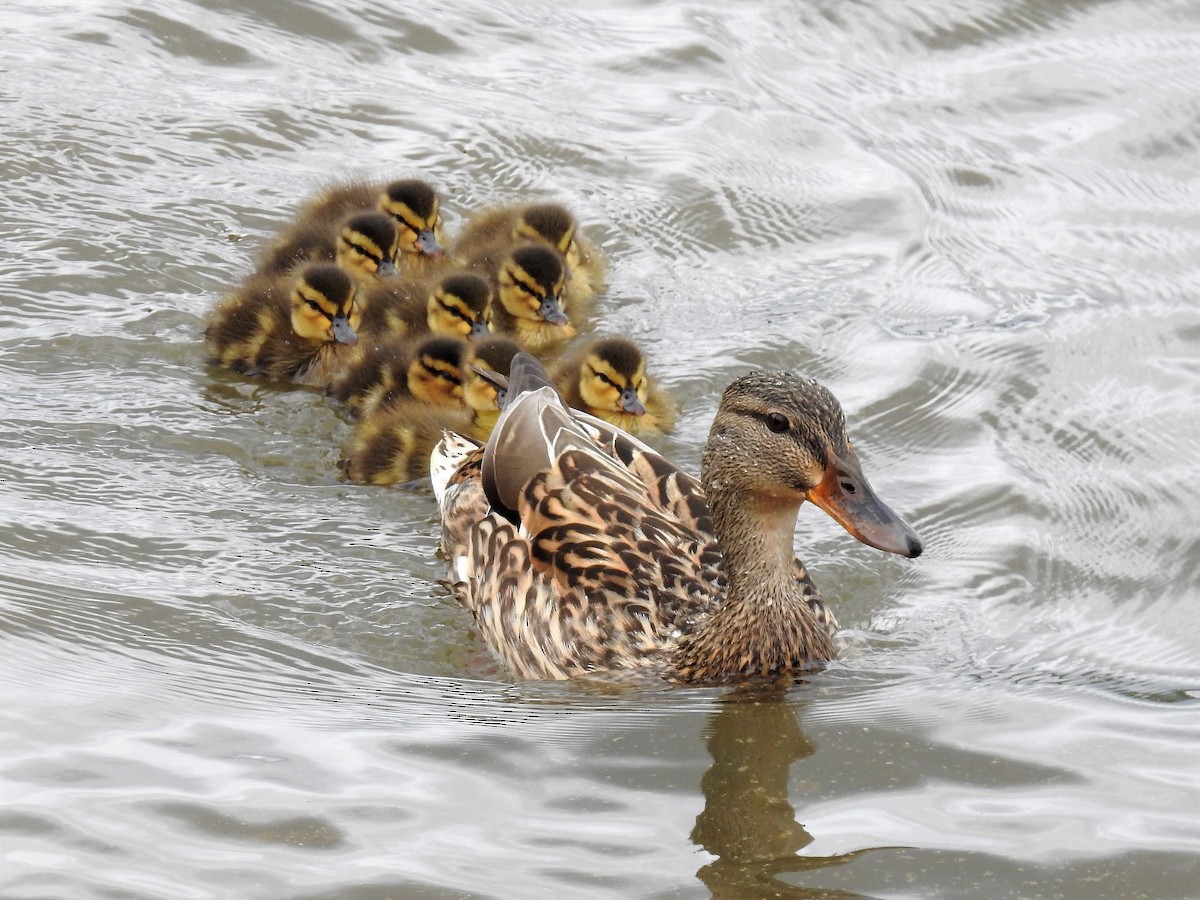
point(228, 674)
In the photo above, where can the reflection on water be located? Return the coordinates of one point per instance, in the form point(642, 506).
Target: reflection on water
point(748, 821)
point(229, 673)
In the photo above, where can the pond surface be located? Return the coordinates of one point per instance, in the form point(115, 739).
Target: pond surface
point(227, 673)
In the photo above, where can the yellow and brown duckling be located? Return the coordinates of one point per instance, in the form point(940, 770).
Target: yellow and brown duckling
point(428, 368)
point(488, 236)
point(364, 244)
point(607, 378)
point(529, 284)
point(413, 204)
point(581, 552)
point(298, 327)
point(391, 443)
point(456, 305)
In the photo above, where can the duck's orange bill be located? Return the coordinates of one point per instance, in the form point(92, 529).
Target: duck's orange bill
point(847, 496)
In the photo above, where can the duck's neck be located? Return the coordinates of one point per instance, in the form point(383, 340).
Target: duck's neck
point(764, 626)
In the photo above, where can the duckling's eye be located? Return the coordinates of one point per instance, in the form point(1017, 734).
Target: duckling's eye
point(778, 422)
point(606, 380)
point(315, 307)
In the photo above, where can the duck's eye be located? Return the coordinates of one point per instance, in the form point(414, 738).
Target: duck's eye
point(778, 422)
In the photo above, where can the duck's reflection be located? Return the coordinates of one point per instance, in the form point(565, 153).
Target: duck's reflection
point(748, 822)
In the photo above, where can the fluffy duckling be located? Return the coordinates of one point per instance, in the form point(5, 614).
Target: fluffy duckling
point(606, 377)
point(297, 328)
point(391, 444)
point(456, 305)
point(487, 236)
point(481, 395)
point(529, 285)
point(583, 553)
point(364, 244)
point(427, 368)
point(413, 204)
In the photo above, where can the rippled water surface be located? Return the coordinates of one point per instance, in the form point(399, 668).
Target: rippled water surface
point(227, 673)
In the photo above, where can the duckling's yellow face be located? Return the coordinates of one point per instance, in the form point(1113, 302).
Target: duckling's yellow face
point(607, 389)
point(456, 315)
point(480, 394)
point(419, 235)
point(367, 253)
point(324, 306)
point(436, 380)
point(527, 297)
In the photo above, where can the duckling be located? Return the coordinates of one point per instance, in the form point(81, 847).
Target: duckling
point(413, 204)
point(457, 305)
point(606, 377)
point(494, 354)
point(529, 283)
point(391, 443)
point(581, 551)
point(428, 368)
point(364, 244)
point(297, 328)
point(486, 237)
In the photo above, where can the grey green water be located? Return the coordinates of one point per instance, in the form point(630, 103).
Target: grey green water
point(226, 673)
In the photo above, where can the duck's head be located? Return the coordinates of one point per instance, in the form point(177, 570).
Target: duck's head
point(778, 440)
point(323, 304)
point(366, 246)
point(437, 371)
point(459, 305)
point(415, 207)
point(494, 353)
point(531, 283)
point(549, 223)
point(612, 378)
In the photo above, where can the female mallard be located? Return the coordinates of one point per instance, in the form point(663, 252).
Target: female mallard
point(456, 305)
point(606, 377)
point(298, 328)
point(580, 550)
point(488, 236)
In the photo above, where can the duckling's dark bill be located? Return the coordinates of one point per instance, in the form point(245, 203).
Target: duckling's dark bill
point(847, 496)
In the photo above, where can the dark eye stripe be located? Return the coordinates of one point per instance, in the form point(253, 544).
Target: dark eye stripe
point(366, 251)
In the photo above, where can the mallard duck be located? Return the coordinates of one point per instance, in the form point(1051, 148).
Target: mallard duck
point(580, 550)
point(489, 235)
point(364, 244)
point(528, 285)
point(298, 328)
point(606, 377)
point(457, 305)
point(427, 368)
point(413, 204)
point(391, 443)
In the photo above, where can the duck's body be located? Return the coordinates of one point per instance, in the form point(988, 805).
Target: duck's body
point(427, 368)
point(298, 328)
point(528, 290)
point(456, 305)
point(488, 236)
point(392, 442)
point(364, 244)
point(412, 204)
point(606, 377)
point(579, 550)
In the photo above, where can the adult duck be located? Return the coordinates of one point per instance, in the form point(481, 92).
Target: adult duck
point(580, 550)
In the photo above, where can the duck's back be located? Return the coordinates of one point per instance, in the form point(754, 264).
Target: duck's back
point(609, 561)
